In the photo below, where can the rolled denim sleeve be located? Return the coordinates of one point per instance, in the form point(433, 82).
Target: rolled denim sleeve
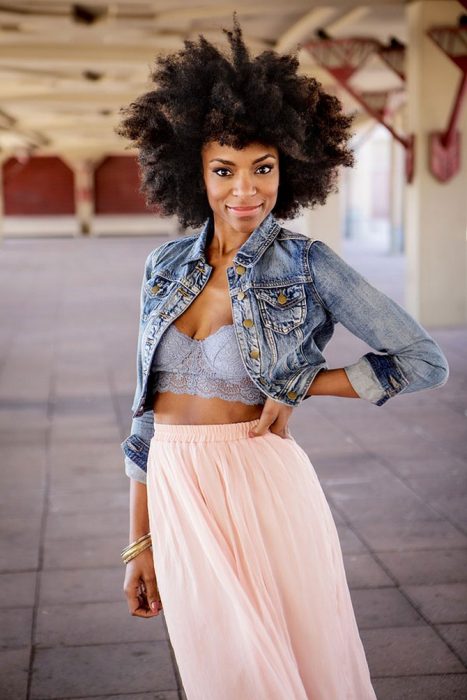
point(136, 446)
point(410, 359)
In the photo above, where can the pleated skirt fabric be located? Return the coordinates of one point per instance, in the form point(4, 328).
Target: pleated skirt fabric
point(249, 568)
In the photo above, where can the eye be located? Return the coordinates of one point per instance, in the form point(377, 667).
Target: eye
point(271, 167)
point(219, 170)
point(222, 172)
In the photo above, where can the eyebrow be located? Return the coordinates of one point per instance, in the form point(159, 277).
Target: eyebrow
point(229, 162)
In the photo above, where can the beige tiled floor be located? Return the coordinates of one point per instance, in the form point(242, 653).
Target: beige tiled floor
point(395, 477)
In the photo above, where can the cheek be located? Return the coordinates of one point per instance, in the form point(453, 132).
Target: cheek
point(215, 188)
point(272, 187)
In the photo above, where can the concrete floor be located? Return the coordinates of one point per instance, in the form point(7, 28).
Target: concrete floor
point(395, 477)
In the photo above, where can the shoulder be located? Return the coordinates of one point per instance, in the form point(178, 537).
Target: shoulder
point(167, 250)
point(323, 258)
point(286, 234)
point(320, 259)
point(313, 245)
point(315, 250)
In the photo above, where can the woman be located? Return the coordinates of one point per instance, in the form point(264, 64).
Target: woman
point(245, 557)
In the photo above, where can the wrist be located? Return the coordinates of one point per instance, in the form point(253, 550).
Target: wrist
point(139, 516)
point(136, 547)
point(137, 532)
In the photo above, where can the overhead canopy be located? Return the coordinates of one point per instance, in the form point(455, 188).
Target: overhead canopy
point(67, 68)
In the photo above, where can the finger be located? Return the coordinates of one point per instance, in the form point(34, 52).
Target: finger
point(268, 416)
point(279, 427)
point(136, 599)
point(136, 604)
point(152, 594)
point(141, 607)
point(144, 609)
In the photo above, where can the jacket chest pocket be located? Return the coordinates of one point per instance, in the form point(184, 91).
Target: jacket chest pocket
point(282, 308)
point(156, 291)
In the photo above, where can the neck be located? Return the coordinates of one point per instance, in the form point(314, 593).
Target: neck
point(226, 239)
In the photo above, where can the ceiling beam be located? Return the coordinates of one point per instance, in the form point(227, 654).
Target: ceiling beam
point(54, 99)
point(304, 28)
point(88, 55)
point(346, 19)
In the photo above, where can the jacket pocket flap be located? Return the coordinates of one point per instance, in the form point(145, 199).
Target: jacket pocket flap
point(282, 297)
point(158, 286)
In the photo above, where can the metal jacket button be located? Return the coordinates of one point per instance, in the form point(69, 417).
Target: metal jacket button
point(254, 353)
point(281, 298)
point(241, 295)
point(248, 323)
point(156, 288)
point(292, 395)
point(240, 269)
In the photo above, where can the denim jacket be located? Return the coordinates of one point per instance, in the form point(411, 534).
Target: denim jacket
point(287, 293)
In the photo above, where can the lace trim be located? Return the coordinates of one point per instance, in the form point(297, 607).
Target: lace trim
point(208, 387)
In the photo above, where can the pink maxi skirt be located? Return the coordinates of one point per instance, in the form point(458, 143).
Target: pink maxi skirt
point(249, 568)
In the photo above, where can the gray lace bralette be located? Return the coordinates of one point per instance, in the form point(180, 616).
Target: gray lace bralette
point(211, 367)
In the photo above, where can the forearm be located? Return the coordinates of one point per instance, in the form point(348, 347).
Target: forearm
point(139, 517)
point(332, 382)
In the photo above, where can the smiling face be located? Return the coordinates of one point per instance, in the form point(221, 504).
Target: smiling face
point(241, 184)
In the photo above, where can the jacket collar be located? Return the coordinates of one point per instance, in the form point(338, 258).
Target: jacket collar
point(250, 252)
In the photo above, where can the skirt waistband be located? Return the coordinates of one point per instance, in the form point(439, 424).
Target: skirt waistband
point(205, 432)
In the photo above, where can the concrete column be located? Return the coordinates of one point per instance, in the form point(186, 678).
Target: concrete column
point(84, 189)
point(397, 192)
point(2, 201)
point(436, 213)
point(359, 184)
point(326, 222)
point(83, 169)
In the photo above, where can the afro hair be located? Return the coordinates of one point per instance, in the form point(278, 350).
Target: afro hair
point(203, 96)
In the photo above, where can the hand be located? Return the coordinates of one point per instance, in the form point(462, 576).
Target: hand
point(275, 416)
point(140, 586)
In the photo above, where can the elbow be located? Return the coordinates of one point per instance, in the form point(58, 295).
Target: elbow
point(435, 371)
point(439, 374)
point(427, 368)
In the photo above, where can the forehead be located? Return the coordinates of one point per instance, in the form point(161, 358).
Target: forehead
point(213, 149)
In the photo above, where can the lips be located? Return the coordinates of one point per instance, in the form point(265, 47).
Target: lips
point(246, 208)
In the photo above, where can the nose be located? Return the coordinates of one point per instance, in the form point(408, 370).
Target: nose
point(243, 185)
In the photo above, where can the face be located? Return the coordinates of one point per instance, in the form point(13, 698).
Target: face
point(241, 185)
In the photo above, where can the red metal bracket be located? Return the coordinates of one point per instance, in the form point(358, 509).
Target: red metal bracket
point(344, 57)
point(394, 57)
point(445, 146)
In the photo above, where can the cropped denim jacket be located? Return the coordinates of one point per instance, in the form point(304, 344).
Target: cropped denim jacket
point(287, 293)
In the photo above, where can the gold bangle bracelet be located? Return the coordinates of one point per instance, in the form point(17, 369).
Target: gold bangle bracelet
point(137, 547)
point(134, 553)
point(132, 544)
point(136, 550)
point(140, 539)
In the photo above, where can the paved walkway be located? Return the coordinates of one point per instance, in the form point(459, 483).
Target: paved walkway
point(395, 477)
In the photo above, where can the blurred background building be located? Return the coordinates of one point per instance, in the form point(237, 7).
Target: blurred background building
point(400, 67)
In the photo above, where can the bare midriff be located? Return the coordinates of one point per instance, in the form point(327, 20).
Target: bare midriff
point(190, 409)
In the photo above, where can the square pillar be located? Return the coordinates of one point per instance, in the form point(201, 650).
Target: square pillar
point(436, 213)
